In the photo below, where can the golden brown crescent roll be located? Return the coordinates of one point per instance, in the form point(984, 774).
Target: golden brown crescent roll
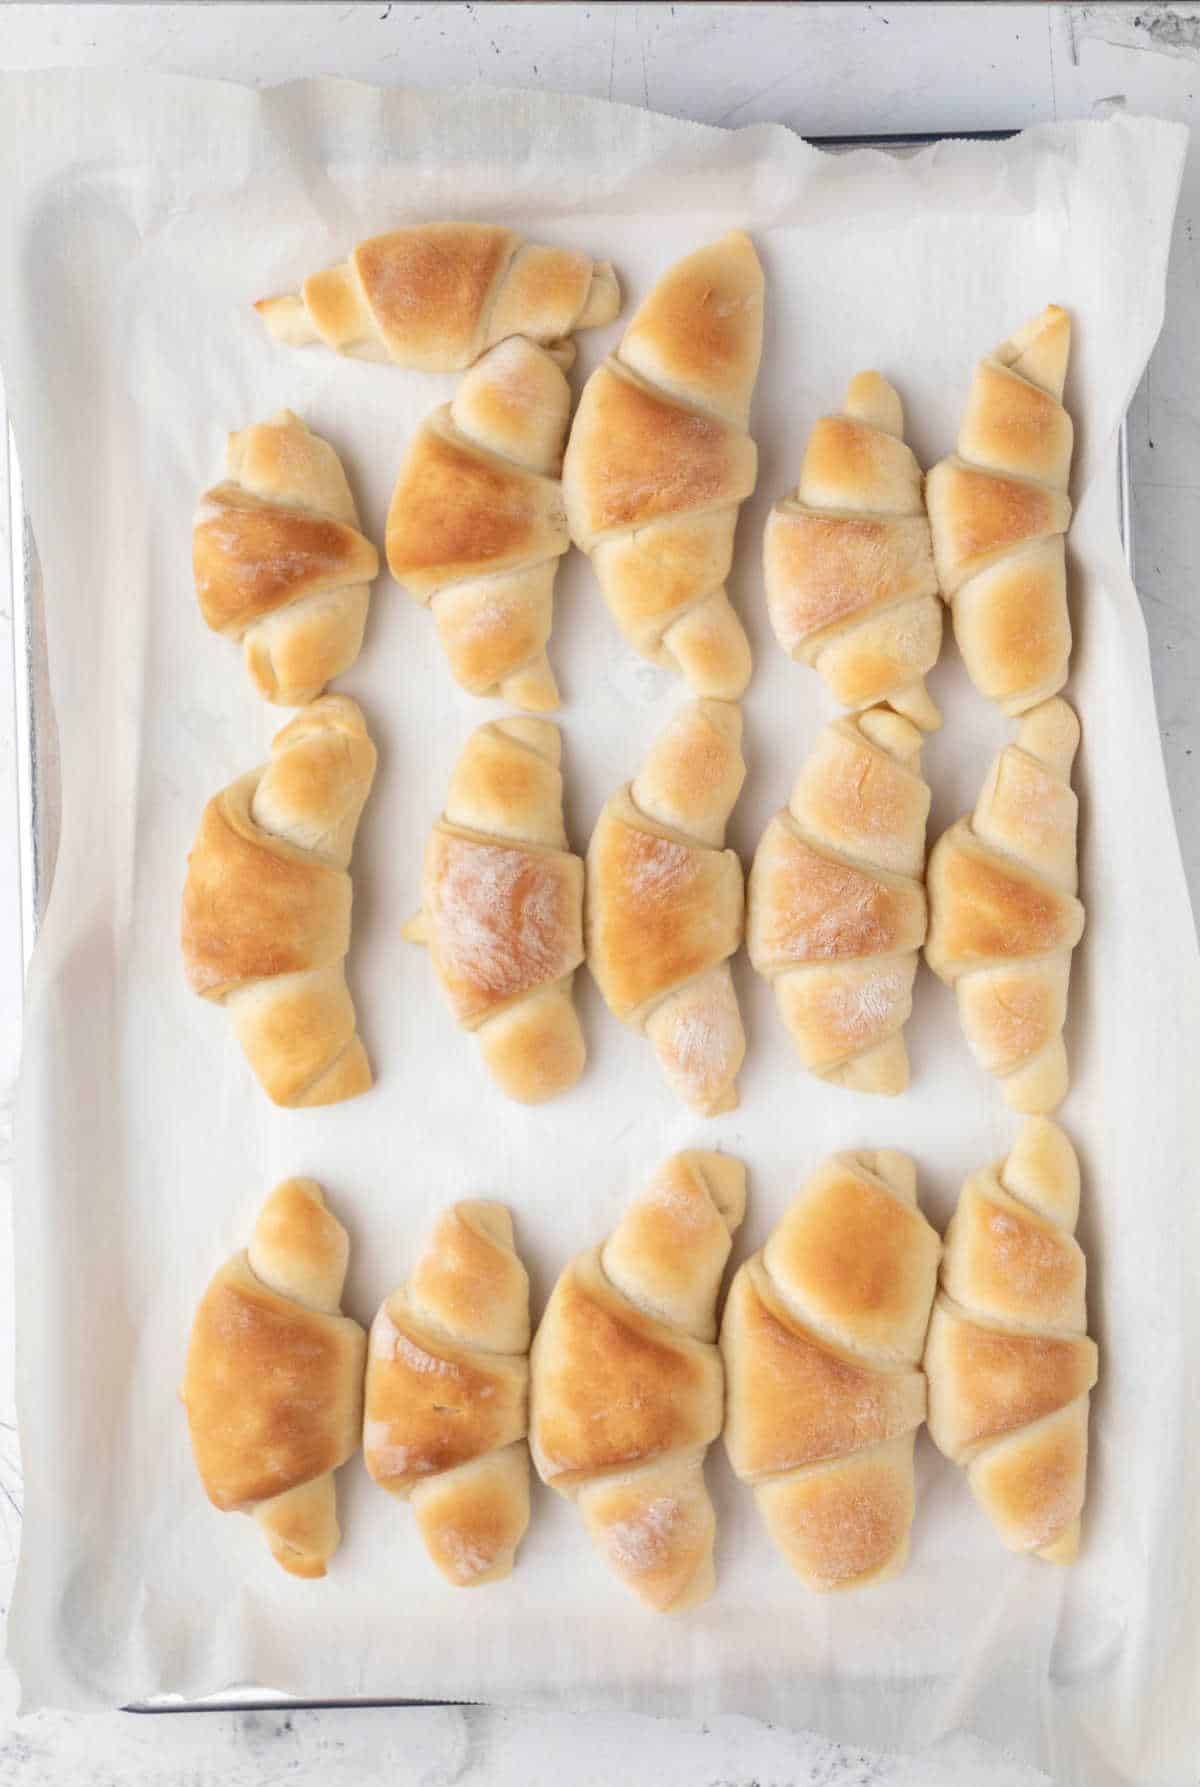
point(848, 563)
point(476, 527)
point(835, 902)
point(626, 1387)
point(273, 1383)
point(822, 1340)
point(279, 560)
point(659, 461)
point(266, 907)
point(438, 295)
point(665, 904)
point(447, 1394)
point(1003, 917)
point(1008, 1358)
point(502, 908)
point(999, 510)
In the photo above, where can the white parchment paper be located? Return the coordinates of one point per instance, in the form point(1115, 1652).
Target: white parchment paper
point(138, 219)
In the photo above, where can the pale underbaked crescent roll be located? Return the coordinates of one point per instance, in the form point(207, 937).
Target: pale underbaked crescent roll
point(1003, 916)
point(1009, 1363)
point(266, 906)
point(999, 510)
point(659, 461)
point(273, 1383)
point(822, 1338)
point(476, 526)
point(447, 1393)
point(438, 295)
point(502, 908)
point(626, 1386)
point(835, 905)
point(665, 904)
point(848, 563)
point(280, 562)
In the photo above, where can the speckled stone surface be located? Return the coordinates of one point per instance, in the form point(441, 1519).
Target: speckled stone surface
point(824, 70)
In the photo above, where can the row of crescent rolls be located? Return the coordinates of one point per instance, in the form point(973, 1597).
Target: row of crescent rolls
point(834, 913)
point(279, 559)
point(855, 559)
point(658, 463)
point(855, 562)
point(490, 495)
point(826, 1364)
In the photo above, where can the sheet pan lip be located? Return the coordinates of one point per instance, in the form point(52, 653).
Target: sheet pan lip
point(36, 843)
point(266, 1700)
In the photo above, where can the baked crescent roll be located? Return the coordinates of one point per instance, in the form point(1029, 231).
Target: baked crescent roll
point(999, 510)
point(266, 906)
point(502, 908)
point(848, 563)
point(836, 905)
point(665, 904)
point(438, 295)
point(273, 1383)
point(279, 561)
point(822, 1340)
point(476, 527)
point(1008, 1358)
point(1003, 917)
point(447, 1395)
point(659, 461)
point(627, 1386)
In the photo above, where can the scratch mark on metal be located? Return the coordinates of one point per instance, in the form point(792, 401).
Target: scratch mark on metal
point(750, 98)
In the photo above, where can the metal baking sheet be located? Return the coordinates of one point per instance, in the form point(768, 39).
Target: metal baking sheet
point(39, 801)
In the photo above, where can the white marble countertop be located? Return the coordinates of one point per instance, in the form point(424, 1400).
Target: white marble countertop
point(824, 70)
